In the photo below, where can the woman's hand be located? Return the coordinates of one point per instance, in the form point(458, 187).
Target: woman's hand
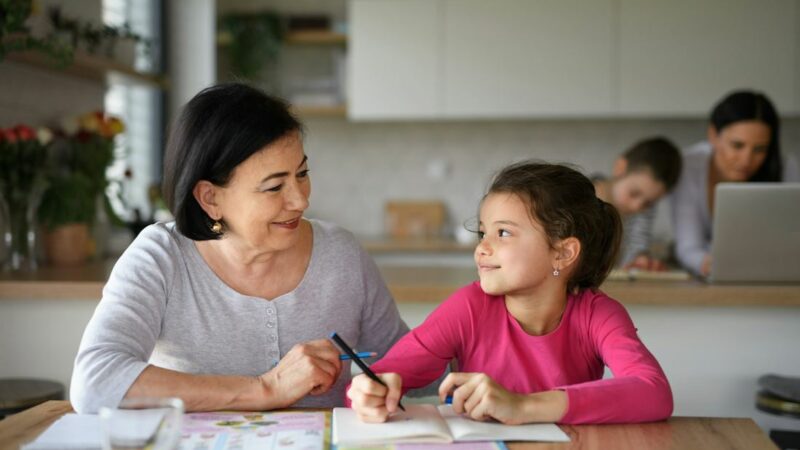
point(645, 262)
point(372, 401)
point(481, 398)
point(309, 368)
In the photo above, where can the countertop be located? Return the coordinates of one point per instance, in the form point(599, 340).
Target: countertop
point(426, 284)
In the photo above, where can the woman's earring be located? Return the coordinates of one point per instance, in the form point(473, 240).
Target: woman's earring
point(216, 227)
point(556, 272)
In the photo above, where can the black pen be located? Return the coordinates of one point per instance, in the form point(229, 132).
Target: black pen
point(364, 368)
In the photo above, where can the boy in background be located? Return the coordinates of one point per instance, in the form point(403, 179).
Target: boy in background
point(641, 176)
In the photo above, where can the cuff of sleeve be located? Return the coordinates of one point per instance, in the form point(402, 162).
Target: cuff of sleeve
point(574, 405)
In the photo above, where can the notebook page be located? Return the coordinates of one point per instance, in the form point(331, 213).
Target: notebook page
point(464, 429)
point(71, 431)
point(420, 423)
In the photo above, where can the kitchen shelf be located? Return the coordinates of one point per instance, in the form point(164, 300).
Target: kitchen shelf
point(320, 111)
point(312, 37)
point(315, 38)
point(87, 66)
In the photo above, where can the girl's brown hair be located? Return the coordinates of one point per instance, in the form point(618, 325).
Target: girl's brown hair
point(564, 202)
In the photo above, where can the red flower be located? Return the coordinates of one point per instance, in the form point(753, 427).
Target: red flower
point(25, 133)
point(10, 136)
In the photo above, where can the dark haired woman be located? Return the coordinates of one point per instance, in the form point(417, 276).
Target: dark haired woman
point(230, 306)
point(531, 337)
point(743, 145)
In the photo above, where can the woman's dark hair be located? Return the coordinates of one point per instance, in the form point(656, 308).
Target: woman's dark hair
point(659, 156)
point(564, 202)
point(748, 105)
point(217, 130)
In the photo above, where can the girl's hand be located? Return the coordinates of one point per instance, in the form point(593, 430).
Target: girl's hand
point(372, 401)
point(309, 368)
point(645, 262)
point(705, 266)
point(481, 398)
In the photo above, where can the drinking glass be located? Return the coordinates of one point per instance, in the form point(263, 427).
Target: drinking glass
point(139, 423)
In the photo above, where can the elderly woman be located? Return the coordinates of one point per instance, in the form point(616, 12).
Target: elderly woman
point(229, 306)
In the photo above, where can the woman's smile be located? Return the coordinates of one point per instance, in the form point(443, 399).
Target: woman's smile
point(289, 224)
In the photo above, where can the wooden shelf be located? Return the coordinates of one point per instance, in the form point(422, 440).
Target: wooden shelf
point(87, 66)
point(320, 111)
point(315, 38)
point(296, 38)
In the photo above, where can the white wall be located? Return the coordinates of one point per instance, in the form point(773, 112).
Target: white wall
point(356, 168)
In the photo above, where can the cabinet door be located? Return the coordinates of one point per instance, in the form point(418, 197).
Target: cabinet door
point(679, 57)
point(394, 59)
point(523, 58)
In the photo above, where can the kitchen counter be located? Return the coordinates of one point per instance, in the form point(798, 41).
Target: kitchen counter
point(426, 284)
point(387, 244)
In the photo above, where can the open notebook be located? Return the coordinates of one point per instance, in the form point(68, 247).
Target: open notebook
point(429, 423)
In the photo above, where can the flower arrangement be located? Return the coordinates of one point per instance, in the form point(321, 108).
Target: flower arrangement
point(78, 170)
point(23, 152)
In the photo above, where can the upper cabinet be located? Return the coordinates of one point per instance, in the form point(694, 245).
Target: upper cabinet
point(515, 58)
point(445, 59)
point(395, 59)
point(679, 57)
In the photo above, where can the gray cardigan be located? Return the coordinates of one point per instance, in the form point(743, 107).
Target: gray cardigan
point(164, 306)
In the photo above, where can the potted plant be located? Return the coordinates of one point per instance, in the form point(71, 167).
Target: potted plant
point(65, 213)
point(255, 41)
point(76, 195)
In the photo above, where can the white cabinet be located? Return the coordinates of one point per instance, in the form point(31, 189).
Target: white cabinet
point(445, 59)
point(522, 58)
point(394, 61)
point(679, 57)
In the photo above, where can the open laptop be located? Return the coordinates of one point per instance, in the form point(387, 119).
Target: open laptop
point(756, 233)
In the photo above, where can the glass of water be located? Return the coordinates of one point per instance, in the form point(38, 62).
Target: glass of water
point(139, 423)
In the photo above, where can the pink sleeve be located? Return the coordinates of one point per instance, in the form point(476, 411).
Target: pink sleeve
point(639, 390)
point(421, 356)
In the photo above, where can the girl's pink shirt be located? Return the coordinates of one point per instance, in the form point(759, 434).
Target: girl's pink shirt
point(595, 331)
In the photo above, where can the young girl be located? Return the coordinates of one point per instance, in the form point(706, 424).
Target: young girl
point(532, 337)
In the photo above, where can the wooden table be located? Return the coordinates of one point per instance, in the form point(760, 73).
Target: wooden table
point(678, 433)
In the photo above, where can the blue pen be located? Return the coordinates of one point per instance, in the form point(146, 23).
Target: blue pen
point(360, 355)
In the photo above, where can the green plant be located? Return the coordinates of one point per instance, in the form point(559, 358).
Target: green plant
point(256, 41)
point(15, 36)
point(67, 200)
point(93, 37)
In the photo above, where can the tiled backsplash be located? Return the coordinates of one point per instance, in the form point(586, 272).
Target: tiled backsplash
point(356, 167)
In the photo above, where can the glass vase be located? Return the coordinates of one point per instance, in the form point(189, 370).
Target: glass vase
point(19, 214)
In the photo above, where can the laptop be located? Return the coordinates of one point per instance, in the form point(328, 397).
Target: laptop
point(756, 233)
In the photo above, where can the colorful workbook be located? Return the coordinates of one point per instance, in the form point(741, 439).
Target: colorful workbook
point(308, 430)
point(429, 423)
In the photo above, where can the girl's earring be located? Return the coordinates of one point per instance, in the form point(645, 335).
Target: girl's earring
point(556, 272)
point(216, 227)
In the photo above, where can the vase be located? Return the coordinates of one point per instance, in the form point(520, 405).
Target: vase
point(19, 213)
point(67, 245)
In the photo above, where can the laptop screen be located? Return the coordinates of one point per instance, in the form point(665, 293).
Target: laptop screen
point(756, 233)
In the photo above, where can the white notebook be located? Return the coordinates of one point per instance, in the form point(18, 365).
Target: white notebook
point(428, 423)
